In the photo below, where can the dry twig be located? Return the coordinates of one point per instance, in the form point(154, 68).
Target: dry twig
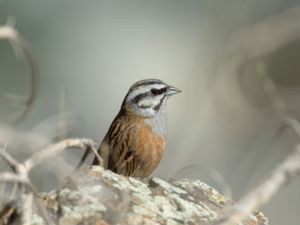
point(250, 45)
point(21, 171)
point(284, 173)
point(261, 194)
point(21, 48)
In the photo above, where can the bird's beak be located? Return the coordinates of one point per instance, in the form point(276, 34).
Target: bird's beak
point(172, 90)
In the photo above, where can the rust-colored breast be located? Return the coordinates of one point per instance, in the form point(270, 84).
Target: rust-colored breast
point(149, 147)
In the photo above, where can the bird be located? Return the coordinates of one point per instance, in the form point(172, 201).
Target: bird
point(135, 141)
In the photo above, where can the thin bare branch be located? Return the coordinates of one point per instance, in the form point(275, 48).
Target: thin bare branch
point(11, 177)
point(254, 44)
point(23, 105)
point(277, 101)
point(62, 123)
point(2, 191)
point(27, 202)
point(21, 47)
point(284, 173)
point(9, 160)
point(14, 191)
point(261, 194)
point(28, 192)
point(54, 149)
point(34, 77)
point(21, 171)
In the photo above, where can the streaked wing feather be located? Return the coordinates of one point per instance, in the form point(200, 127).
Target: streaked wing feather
point(122, 157)
point(130, 165)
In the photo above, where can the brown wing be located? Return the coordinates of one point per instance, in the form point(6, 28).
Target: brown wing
point(107, 146)
point(129, 165)
point(122, 155)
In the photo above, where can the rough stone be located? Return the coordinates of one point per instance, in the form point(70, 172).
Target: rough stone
point(103, 197)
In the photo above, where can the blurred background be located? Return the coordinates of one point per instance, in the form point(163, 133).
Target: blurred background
point(222, 124)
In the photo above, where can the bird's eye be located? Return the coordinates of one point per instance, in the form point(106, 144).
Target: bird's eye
point(155, 91)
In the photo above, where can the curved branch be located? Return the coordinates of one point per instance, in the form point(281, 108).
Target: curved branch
point(21, 47)
point(54, 149)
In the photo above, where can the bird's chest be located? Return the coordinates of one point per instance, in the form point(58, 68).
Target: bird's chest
point(150, 145)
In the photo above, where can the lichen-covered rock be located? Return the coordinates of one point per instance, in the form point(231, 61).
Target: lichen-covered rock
point(102, 197)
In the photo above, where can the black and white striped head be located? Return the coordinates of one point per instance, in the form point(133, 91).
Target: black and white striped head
point(148, 97)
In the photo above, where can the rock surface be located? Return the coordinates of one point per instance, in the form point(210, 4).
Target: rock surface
point(102, 197)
